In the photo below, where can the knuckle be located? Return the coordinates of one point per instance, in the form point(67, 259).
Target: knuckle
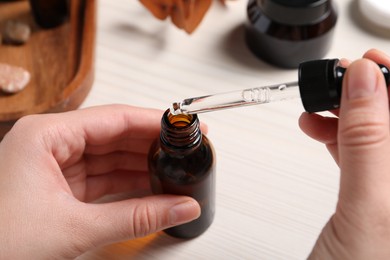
point(32, 127)
point(23, 131)
point(23, 125)
point(145, 220)
point(362, 131)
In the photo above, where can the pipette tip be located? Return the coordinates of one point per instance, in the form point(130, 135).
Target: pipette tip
point(175, 109)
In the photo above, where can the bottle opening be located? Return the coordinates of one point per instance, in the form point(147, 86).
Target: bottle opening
point(180, 121)
point(180, 131)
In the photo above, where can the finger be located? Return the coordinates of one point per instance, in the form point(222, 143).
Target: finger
point(320, 128)
point(344, 62)
point(66, 135)
point(140, 145)
point(363, 136)
point(378, 56)
point(204, 128)
point(100, 164)
point(100, 224)
point(116, 182)
point(105, 124)
point(323, 129)
point(334, 152)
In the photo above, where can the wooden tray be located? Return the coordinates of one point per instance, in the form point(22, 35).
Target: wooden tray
point(60, 61)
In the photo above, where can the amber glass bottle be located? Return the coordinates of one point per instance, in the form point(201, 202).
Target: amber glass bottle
point(182, 162)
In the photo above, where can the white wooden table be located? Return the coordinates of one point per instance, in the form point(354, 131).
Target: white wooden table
point(276, 188)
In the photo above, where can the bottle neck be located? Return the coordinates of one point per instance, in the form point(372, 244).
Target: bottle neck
point(180, 133)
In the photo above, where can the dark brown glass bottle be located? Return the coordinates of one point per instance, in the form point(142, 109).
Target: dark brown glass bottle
point(288, 32)
point(182, 162)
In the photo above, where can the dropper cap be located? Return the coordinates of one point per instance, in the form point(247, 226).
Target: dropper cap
point(320, 83)
point(317, 85)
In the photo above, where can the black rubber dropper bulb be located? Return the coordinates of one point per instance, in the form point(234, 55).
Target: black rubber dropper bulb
point(320, 84)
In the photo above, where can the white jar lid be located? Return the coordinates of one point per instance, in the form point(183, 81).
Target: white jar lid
point(376, 11)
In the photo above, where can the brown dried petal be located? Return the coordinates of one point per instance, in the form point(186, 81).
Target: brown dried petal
point(160, 9)
point(178, 13)
point(189, 6)
point(185, 14)
point(200, 9)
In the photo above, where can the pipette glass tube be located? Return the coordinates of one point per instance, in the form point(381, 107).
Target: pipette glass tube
point(250, 96)
point(319, 87)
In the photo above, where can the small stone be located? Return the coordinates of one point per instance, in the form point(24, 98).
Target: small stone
point(13, 79)
point(16, 32)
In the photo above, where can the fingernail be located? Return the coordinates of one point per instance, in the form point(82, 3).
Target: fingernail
point(344, 62)
point(361, 79)
point(184, 212)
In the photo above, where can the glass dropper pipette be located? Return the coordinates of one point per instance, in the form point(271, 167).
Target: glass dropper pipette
point(319, 87)
point(237, 98)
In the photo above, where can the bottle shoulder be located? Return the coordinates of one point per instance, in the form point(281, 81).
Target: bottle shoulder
point(205, 148)
point(186, 167)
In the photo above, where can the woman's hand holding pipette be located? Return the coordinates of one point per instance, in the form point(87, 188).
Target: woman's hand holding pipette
point(359, 141)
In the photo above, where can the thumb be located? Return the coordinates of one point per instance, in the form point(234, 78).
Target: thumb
point(123, 220)
point(363, 132)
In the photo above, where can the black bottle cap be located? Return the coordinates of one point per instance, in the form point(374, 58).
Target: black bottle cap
point(319, 85)
point(300, 12)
